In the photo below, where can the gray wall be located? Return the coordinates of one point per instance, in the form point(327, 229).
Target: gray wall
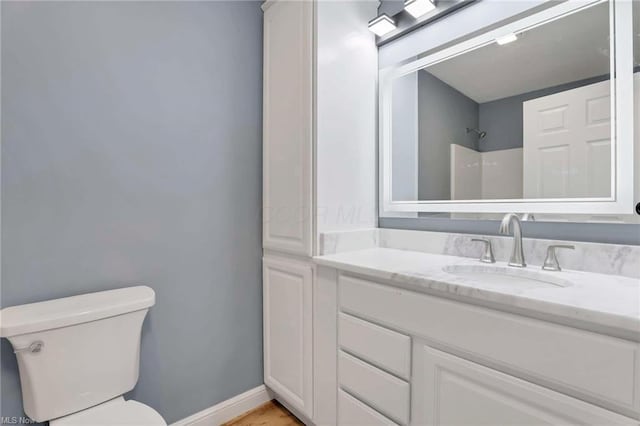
point(132, 154)
point(391, 7)
point(405, 138)
point(589, 232)
point(444, 115)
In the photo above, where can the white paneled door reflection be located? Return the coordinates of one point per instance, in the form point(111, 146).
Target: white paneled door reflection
point(567, 144)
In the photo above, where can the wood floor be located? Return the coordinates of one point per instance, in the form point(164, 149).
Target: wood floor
point(271, 413)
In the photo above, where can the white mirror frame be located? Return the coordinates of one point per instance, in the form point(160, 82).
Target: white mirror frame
point(622, 199)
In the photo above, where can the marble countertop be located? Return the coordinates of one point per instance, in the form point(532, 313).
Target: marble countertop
point(603, 303)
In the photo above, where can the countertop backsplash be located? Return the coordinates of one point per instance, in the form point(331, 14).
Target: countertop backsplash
point(611, 259)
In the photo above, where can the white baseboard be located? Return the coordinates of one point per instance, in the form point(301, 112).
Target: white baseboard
point(229, 409)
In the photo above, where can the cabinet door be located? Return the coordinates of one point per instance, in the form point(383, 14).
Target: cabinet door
point(448, 390)
point(287, 122)
point(287, 290)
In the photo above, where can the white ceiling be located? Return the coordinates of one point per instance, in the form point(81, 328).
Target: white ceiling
point(569, 49)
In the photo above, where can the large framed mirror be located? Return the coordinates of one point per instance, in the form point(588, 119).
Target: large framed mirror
point(535, 116)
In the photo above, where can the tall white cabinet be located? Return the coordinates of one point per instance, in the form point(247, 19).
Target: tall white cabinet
point(288, 127)
point(319, 150)
point(287, 291)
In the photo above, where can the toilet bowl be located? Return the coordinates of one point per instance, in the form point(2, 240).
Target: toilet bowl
point(111, 413)
point(78, 355)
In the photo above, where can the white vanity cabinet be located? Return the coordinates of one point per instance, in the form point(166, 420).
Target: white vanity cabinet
point(410, 358)
point(448, 390)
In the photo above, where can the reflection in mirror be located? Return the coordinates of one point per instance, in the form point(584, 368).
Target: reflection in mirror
point(526, 117)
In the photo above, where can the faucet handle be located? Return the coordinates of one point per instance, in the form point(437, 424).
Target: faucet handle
point(551, 261)
point(528, 217)
point(487, 256)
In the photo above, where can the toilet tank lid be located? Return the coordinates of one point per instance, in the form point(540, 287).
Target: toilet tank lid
point(56, 313)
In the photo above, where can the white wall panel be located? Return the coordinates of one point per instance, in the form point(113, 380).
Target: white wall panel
point(346, 96)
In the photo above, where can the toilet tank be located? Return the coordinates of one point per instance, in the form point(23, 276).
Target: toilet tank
point(77, 352)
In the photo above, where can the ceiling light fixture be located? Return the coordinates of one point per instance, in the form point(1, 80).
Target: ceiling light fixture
point(511, 37)
point(382, 25)
point(417, 8)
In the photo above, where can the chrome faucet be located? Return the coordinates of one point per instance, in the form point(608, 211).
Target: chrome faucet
point(551, 262)
point(517, 254)
point(487, 256)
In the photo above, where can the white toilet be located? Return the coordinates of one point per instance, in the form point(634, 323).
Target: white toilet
point(78, 355)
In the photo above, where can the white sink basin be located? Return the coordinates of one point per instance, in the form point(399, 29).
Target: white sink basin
point(493, 276)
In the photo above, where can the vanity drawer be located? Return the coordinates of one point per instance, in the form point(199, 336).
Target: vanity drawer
point(380, 390)
point(380, 346)
point(352, 412)
point(593, 366)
